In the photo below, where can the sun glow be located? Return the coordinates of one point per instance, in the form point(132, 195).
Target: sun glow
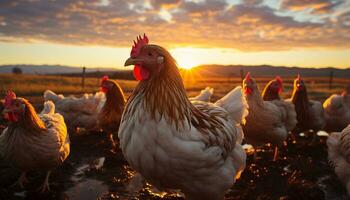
point(187, 58)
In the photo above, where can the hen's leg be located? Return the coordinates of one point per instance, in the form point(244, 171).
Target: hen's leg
point(21, 180)
point(45, 186)
point(112, 143)
point(314, 137)
point(255, 154)
point(275, 155)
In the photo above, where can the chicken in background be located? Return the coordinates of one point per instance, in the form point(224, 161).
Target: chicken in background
point(33, 141)
point(176, 144)
point(79, 112)
point(337, 111)
point(266, 122)
point(204, 95)
point(339, 155)
point(93, 112)
point(110, 114)
point(2, 120)
point(271, 93)
point(310, 113)
point(273, 89)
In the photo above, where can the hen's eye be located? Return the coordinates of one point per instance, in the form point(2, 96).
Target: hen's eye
point(150, 54)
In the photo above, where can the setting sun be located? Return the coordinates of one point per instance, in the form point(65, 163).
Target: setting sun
point(187, 58)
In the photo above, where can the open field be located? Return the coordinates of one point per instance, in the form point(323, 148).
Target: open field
point(92, 172)
point(35, 85)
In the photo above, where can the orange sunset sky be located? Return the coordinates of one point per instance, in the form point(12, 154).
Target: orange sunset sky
point(99, 33)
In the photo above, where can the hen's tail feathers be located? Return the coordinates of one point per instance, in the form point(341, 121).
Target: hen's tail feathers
point(49, 108)
point(235, 103)
point(51, 96)
point(204, 95)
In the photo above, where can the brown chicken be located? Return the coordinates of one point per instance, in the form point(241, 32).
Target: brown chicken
point(273, 89)
point(32, 141)
point(310, 114)
point(266, 122)
point(110, 114)
point(271, 93)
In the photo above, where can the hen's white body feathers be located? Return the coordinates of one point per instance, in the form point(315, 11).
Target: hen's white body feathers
point(267, 121)
point(78, 112)
point(339, 155)
point(289, 116)
point(204, 95)
point(337, 112)
point(181, 159)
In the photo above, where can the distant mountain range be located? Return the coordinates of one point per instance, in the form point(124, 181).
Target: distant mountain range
point(49, 69)
point(203, 70)
point(268, 70)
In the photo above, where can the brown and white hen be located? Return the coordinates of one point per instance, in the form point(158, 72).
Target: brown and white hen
point(176, 144)
point(266, 122)
point(271, 93)
point(32, 141)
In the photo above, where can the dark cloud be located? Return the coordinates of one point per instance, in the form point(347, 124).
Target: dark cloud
point(317, 6)
point(204, 6)
point(250, 25)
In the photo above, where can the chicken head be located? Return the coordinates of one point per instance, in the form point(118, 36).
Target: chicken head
point(249, 85)
point(147, 59)
point(106, 84)
point(14, 107)
point(299, 84)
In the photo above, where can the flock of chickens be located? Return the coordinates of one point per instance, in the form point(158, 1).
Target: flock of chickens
point(173, 141)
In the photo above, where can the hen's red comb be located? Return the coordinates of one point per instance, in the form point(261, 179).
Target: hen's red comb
point(247, 77)
point(140, 42)
point(10, 96)
point(104, 78)
point(298, 77)
point(279, 79)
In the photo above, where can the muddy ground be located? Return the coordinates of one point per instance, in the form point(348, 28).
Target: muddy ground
point(93, 172)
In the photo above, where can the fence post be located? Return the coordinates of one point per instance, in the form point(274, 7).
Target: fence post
point(83, 78)
point(331, 74)
point(242, 74)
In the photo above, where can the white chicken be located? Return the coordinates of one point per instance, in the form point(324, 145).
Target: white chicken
point(204, 95)
point(176, 144)
point(337, 111)
point(271, 93)
point(339, 155)
point(101, 111)
point(32, 141)
point(267, 122)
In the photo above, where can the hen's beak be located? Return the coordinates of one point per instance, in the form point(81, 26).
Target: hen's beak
point(130, 61)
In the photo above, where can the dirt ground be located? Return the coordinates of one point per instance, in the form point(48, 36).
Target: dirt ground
point(93, 172)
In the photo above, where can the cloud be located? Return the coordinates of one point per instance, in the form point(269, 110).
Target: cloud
point(164, 3)
point(317, 6)
point(248, 26)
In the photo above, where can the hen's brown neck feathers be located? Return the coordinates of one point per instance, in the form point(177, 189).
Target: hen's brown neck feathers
point(165, 96)
point(29, 120)
point(301, 103)
point(270, 94)
point(113, 108)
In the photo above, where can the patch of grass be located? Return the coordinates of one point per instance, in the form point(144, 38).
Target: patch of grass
point(35, 85)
